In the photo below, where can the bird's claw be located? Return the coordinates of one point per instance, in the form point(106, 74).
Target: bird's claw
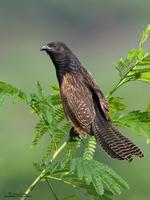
point(73, 135)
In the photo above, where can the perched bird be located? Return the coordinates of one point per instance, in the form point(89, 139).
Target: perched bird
point(85, 105)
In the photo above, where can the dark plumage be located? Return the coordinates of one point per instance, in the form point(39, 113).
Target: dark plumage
point(85, 105)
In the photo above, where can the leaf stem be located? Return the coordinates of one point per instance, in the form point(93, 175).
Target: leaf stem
point(56, 153)
point(43, 173)
point(60, 179)
point(51, 188)
point(121, 82)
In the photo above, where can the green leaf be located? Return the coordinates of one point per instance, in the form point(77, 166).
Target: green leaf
point(40, 90)
point(9, 90)
point(145, 35)
point(52, 119)
point(125, 65)
point(96, 173)
point(116, 104)
point(54, 87)
point(134, 58)
point(70, 152)
point(90, 189)
point(138, 121)
point(55, 99)
point(72, 180)
point(139, 73)
point(90, 148)
point(40, 130)
point(135, 67)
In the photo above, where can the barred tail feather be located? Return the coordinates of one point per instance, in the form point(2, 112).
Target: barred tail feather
point(115, 144)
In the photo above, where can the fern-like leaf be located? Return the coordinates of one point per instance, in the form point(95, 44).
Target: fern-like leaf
point(144, 36)
point(96, 173)
point(40, 130)
point(90, 148)
point(134, 58)
point(138, 121)
point(52, 119)
point(9, 90)
point(116, 104)
point(88, 190)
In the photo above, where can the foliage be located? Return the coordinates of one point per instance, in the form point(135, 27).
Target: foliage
point(90, 148)
point(138, 121)
point(101, 174)
point(72, 163)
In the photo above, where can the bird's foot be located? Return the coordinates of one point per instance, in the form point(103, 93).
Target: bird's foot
point(73, 135)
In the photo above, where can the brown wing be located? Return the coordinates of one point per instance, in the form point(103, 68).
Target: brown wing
point(77, 101)
point(95, 88)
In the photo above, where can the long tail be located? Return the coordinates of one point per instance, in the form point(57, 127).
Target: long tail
point(115, 144)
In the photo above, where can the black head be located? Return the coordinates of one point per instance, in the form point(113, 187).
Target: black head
point(61, 56)
point(55, 48)
point(63, 59)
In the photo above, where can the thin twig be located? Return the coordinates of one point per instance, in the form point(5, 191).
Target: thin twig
point(43, 173)
point(64, 181)
point(30, 188)
point(121, 82)
point(115, 88)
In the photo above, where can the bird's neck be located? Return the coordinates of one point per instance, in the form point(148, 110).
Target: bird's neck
point(65, 65)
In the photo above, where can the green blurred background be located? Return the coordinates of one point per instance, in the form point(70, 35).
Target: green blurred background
point(99, 32)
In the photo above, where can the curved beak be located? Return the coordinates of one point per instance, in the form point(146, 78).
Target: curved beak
point(46, 48)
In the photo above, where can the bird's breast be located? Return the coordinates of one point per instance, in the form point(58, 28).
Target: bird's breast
point(77, 101)
point(70, 81)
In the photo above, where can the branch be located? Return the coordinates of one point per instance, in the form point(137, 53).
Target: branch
point(44, 172)
point(35, 182)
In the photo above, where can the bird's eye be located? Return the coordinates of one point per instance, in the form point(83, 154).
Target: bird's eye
point(54, 46)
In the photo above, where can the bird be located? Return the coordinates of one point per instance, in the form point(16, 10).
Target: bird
point(84, 104)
